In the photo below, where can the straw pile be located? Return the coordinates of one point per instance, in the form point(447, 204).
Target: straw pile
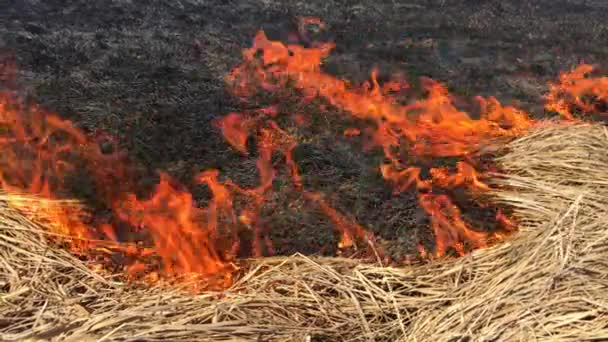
point(548, 282)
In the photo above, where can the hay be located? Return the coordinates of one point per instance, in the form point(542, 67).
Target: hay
point(548, 282)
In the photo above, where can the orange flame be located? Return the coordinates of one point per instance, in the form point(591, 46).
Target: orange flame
point(40, 152)
point(431, 127)
point(170, 216)
point(35, 152)
point(272, 138)
point(577, 91)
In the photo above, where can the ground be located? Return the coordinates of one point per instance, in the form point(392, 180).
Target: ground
point(152, 74)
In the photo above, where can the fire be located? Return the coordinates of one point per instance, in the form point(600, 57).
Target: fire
point(41, 155)
point(35, 157)
point(168, 234)
point(577, 91)
point(430, 128)
point(170, 217)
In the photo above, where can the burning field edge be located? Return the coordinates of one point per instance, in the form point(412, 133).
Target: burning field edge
point(547, 281)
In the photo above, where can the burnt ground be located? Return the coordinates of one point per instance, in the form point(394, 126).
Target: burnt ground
point(151, 73)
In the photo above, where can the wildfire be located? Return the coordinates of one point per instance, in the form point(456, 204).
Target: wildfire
point(168, 234)
point(577, 92)
point(428, 128)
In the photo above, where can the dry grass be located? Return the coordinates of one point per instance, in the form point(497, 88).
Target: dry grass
point(548, 282)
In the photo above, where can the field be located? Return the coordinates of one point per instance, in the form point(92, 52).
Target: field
point(152, 74)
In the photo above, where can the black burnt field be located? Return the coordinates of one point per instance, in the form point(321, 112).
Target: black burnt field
point(151, 74)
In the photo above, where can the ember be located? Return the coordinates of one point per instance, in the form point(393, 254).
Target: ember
point(40, 153)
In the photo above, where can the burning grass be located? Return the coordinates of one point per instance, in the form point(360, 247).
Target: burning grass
point(168, 234)
point(134, 260)
point(548, 281)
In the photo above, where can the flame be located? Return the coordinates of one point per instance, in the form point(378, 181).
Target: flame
point(271, 138)
point(577, 91)
point(171, 218)
point(168, 234)
point(40, 154)
point(430, 128)
point(35, 157)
